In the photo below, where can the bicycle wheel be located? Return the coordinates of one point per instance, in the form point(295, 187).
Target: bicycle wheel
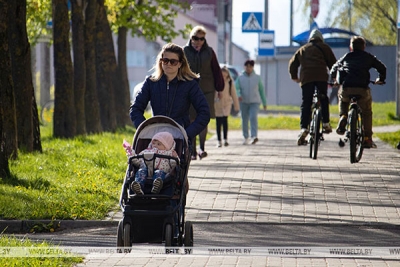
point(47, 112)
point(317, 132)
point(356, 136)
point(311, 140)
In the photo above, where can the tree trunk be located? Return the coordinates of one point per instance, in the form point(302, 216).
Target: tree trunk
point(37, 143)
point(78, 41)
point(8, 130)
point(92, 108)
point(106, 67)
point(122, 93)
point(64, 112)
point(22, 75)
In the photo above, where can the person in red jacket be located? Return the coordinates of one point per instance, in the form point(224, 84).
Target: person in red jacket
point(315, 58)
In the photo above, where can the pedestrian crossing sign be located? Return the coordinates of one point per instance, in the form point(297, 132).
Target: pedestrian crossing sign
point(252, 21)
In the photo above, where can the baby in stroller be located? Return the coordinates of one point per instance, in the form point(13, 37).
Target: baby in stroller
point(155, 167)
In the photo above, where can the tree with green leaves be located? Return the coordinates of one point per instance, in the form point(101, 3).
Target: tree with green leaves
point(375, 20)
point(104, 75)
point(142, 18)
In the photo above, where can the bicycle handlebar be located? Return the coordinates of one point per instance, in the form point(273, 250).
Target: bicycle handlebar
point(377, 83)
point(373, 82)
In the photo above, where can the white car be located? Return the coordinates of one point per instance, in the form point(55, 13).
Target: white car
point(136, 90)
point(233, 71)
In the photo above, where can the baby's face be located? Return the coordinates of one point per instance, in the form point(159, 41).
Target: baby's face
point(157, 144)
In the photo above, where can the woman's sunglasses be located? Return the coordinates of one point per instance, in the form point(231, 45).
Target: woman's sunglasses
point(198, 38)
point(173, 62)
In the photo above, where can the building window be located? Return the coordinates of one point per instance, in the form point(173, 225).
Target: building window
point(135, 58)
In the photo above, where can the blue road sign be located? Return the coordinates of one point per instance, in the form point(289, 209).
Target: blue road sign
point(266, 46)
point(252, 21)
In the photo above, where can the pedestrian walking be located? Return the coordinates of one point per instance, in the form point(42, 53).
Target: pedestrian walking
point(251, 94)
point(223, 106)
point(203, 60)
point(171, 90)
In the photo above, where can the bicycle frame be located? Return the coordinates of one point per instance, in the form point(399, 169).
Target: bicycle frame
point(354, 131)
point(315, 128)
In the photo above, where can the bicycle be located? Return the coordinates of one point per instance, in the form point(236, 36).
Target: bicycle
point(355, 129)
point(316, 129)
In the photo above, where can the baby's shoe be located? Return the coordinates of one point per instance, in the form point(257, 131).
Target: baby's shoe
point(135, 186)
point(157, 185)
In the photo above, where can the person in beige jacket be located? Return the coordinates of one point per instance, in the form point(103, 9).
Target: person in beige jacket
point(223, 105)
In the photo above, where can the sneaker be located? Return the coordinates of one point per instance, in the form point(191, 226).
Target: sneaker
point(194, 157)
point(202, 154)
point(135, 186)
point(326, 128)
point(246, 141)
point(226, 143)
point(341, 128)
point(157, 185)
point(302, 137)
point(254, 140)
point(368, 143)
point(219, 144)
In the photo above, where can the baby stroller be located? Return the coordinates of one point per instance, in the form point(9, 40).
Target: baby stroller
point(156, 218)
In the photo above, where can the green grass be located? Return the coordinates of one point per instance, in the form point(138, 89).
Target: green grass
point(10, 242)
point(71, 179)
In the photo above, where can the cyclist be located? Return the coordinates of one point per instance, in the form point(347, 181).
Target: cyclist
point(314, 57)
point(352, 72)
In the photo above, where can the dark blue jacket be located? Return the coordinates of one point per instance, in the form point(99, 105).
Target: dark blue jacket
point(355, 66)
point(173, 100)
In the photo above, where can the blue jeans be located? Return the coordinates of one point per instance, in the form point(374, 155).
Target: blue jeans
point(141, 176)
point(249, 113)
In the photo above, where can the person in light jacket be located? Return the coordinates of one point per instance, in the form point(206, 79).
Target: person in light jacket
point(251, 94)
point(223, 105)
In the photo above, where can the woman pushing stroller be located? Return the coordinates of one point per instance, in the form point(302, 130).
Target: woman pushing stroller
point(171, 90)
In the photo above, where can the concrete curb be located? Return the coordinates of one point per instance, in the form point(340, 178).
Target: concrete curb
point(25, 226)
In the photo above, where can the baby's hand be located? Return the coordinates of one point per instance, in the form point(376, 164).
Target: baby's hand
point(135, 162)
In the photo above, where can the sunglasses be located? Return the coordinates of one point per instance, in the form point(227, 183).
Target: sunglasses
point(198, 38)
point(172, 62)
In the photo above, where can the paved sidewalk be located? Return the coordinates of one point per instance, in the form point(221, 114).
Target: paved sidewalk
point(276, 182)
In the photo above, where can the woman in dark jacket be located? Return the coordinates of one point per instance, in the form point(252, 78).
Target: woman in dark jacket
point(202, 60)
point(171, 90)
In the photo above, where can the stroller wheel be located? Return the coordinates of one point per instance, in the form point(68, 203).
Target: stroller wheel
point(188, 238)
point(120, 234)
point(168, 235)
point(127, 235)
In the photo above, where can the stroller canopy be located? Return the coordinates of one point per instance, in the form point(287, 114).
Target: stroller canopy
point(153, 125)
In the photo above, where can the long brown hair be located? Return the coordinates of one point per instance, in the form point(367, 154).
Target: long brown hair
point(184, 72)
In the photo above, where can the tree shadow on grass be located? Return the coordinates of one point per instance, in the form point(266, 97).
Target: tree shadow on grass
point(38, 183)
